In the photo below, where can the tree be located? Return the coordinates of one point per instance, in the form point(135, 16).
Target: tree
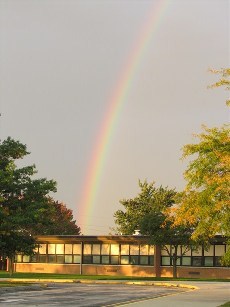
point(58, 221)
point(149, 213)
point(25, 206)
point(224, 81)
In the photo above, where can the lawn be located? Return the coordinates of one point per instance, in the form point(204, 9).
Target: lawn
point(96, 277)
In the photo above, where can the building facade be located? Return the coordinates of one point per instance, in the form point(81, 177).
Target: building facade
point(121, 256)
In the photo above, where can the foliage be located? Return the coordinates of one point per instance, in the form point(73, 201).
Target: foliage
point(204, 204)
point(149, 213)
point(58, 220)
point(25, 207)
point(224, 81)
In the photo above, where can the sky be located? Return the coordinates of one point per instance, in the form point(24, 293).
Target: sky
point(62, 62)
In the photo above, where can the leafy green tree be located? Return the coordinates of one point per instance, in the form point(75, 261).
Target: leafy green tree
point(58, 220)
point(149, 213)
point(205, 204)
point(25, 206)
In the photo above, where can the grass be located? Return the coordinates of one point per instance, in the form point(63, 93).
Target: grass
point(97, 277)
point(225, 305)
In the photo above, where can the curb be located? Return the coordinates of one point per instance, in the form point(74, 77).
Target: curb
point(115, 282)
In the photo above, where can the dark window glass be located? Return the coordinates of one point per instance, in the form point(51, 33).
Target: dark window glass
point(42, 258)
point(51, 258)
point(165, 260)
point(114, 259)
point(68, 259)
point(151, 260)
point(218, 261)
point(208, 261)
point(105, 259)
point(87, 259)
point(144, 260)
point(197, 261)
point(134, 260)
point(76, 259)
point(34, 258)
point(96, 259)
point(186, 261)
point(60, 258)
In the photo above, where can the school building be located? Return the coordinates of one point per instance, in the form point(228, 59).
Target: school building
point(120, 255)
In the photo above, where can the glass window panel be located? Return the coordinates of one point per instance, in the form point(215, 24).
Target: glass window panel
point(105, 259)
point(186, 251)
point(52, 258)
point(186, 260)
point(197, 252)
point(42, 249)
point(209, 251)
point(124, 249)
point(87, 259)
point(26, 258)
point(96, 259)
point(60, 258)
point(218, 261)
point(219, 250)
point(151, 260)
point(68, 248)
point(124, 259)
point(68, 259)
point(76, 248)
point(18, 258)
point(151, 249)
point(96, 249)
point(105, 249)
point(114, 259)
point(165, 260)
point(42, 258)
point(164, 251)
point(60, 249)
point(144, 250)
point(134, 249)
point(134, 259)
point(114, 249)
point(36, 249)
point(179, 251)
point(87, 249)
point(208, 261)
point(76, 259)
point(51, 249)
point(144, 260)
point(34, 258)
point(196, 261)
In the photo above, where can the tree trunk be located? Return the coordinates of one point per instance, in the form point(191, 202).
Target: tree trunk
point(174, 262)
point(11, 265)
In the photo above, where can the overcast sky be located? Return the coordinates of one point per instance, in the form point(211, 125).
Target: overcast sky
point(60, 61)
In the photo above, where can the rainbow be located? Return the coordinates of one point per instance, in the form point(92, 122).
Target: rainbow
point(115, 105)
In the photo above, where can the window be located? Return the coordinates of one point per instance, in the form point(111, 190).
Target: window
point(60, 258)
point(144, 250)
point(60, 249)
point(51, 258)
point(124, 259)
point(105, 249)
point(105, 259)
point(68, 259)
point(114, 249)
point(114, 259)
point(51, 249)
point(87, 259)
point(208, 261)
point(134, 260)
point(96, 259)
point(165, 260)
point(87, 249)
point(124, 249)
point(219, 250)
point(76, 259)
point(76, 248)
point(96, 249)
point(134, 249)
point(196, 261)
point(144, 260)
point(186, 261)
point(68, 249)
point(42, 248)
